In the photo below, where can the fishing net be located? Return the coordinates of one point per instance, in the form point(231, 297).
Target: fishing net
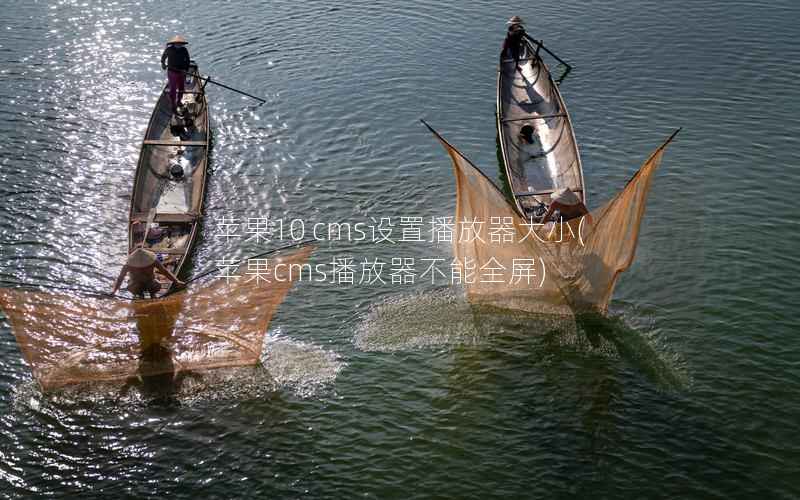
point(68, 339)
point(549, 269)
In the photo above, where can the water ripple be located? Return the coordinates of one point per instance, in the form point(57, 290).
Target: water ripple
point(688, 394)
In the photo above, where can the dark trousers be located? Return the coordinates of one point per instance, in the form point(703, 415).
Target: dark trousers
point(176, 81)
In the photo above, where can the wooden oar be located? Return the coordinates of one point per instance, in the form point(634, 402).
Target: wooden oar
point(209, 80)
point(540, 43)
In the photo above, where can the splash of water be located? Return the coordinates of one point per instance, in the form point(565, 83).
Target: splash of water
point(417, 321)
point(302, 369)
point(305, 369)
point(443, 318)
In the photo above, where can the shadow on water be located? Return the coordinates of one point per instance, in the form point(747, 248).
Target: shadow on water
point(158, 381)
point(157, 378)
point(535, 362)
point(588, 334)
point(634, 348)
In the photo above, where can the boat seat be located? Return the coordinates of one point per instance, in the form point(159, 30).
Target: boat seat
point(531, 118)
point(521, 59)
point(540, 193)
point(166, 217)
point(158, 142)
point(167, 251)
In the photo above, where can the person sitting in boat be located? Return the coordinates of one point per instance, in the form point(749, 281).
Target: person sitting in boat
point(175, 59)
point(140, 268)
point(568, 205)
point(512, 45)
point(530, 146)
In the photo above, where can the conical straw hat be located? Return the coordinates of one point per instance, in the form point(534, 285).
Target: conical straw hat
point(177, 39)
point(565, 197)
point(141, 258)
point(515, 20)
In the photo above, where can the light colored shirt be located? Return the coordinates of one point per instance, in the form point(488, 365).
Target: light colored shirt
point(529, 150)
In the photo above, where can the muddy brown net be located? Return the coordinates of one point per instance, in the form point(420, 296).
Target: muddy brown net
point(69, 339)
point(550, 269)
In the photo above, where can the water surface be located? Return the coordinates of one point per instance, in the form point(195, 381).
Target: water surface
point(690, 390)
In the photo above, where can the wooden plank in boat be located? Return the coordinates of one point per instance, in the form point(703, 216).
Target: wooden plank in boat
point(168, 251)
point(531, 118)
point(539, 193)
point(167, 217)
point(157, 142)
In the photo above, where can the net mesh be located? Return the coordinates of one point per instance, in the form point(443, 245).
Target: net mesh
point(69, 339)
point(554, 269)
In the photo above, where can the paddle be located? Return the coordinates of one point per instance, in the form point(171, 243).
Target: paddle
point(209, 80)
point(563, 76)
point(540, 44)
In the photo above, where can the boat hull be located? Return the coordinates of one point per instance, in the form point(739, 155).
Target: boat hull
point(527, 95)
point(169, 186)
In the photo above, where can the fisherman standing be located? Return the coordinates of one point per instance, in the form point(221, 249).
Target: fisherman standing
point(176, 60)
point(512, 45)
point(140, 269)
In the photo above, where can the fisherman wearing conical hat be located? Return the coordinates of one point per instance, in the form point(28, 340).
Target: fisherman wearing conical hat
point(512, 45)
point(176, 60)
point(567, 203)
point(140, 269)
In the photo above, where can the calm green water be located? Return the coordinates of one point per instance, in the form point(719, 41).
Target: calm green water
point(689, 391)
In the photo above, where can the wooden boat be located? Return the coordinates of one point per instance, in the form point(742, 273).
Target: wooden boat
point(529, 96)
point(169, 186)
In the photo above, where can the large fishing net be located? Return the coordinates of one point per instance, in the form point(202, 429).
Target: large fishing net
point(68, 339)
point(550, 269)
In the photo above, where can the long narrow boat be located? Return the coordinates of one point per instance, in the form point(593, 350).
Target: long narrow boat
point(169, 186)
point(529, 96)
